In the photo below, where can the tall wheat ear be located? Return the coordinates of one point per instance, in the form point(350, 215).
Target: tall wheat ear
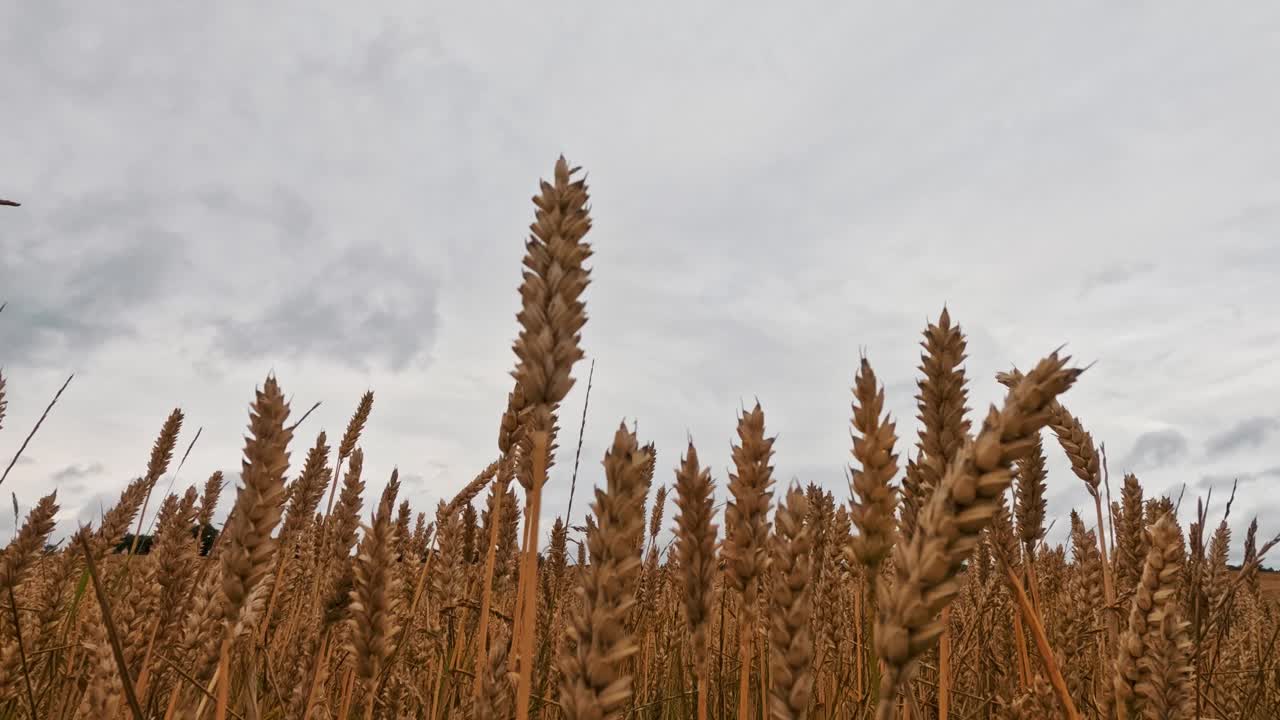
point(745, 548)
point(552, 315)
point(249, 549)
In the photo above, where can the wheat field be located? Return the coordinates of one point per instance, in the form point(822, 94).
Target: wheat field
point(926, 590)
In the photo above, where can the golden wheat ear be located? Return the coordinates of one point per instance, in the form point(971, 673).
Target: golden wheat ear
point(552, 315)
point(25, 548)
point(1154, 597)
point(790, 606)
point(371, 623)
point(595, 682)
point(250, 548)
point(950, 526)
point(874, 498)
point(696, 553)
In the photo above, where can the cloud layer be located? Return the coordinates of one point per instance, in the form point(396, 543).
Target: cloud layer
point(341, 196)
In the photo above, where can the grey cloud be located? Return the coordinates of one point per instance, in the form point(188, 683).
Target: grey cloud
point(73, 479)
point(72, 473)
point(1069, 496)
point(368, 304)
point(1244, 478)
point(76, 275)
point(1261, 219)
point(286, 213)
point(1113, 275)
point(431, 472)
point(86, 268)
point(1248, 433)
point(385, 58)
point(92, 507)
point(412, 480)
point(1156, 449)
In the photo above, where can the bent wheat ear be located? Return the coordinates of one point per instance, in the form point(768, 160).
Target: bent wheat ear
point(950, 526)
point(355, 426)
point(22, 552)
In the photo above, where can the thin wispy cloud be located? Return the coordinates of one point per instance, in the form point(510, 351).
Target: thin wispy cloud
point(1156, 449)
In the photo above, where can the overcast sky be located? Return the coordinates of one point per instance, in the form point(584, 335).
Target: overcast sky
point(341, 193)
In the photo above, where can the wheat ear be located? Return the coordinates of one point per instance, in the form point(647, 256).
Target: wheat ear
point(24, 549)
point(551, 318)
point(249, 551)
point(950, 526)
point(790, 607)
point(372, 626)
point(873, 498)
point(1154, 597)
point(696, 552)
point(747, 528)
point(594, 685)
